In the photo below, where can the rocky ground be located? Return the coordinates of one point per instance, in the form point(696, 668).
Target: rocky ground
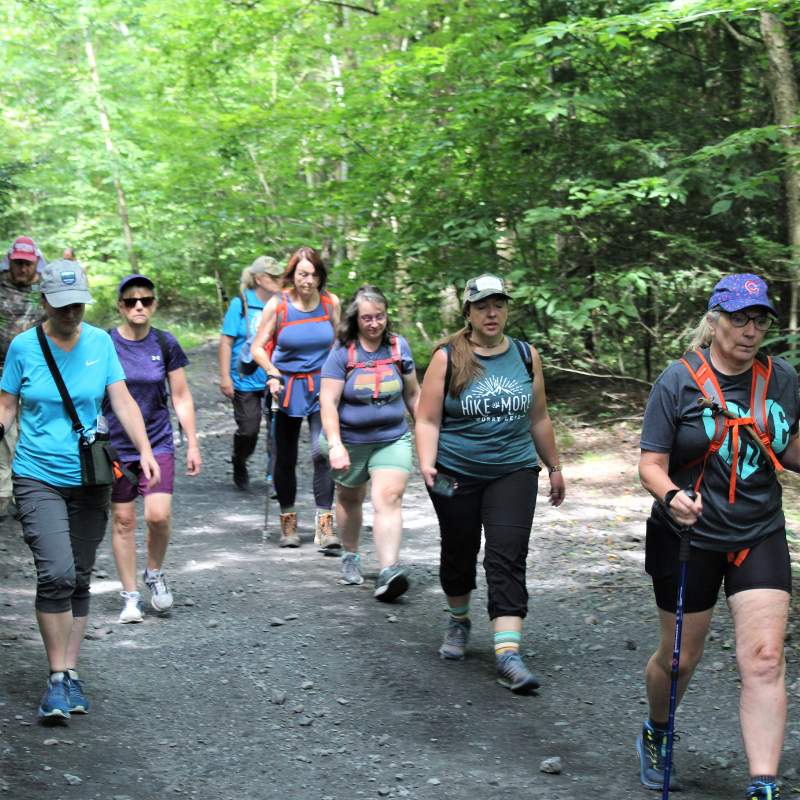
point(269, 680)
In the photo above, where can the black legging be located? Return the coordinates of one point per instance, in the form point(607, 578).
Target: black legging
point(504, 509)
point(287, 435)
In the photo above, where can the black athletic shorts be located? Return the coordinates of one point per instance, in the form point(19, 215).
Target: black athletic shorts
point(767, 566)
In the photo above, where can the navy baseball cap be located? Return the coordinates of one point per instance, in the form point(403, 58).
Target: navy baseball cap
point(735, 292)
point(140, 280)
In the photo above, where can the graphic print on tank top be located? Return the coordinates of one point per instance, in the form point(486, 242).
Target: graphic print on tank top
point(496, 399)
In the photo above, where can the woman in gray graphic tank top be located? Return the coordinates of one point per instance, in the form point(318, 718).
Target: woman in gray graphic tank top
point(482, 429)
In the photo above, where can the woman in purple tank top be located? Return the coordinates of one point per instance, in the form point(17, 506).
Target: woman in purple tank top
point(293, 340)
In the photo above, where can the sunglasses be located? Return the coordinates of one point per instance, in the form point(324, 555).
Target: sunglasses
point(130, 302)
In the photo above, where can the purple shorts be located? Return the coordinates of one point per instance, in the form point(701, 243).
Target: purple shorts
point(123, 491)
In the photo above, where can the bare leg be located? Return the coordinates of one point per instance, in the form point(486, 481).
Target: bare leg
point(158, 516)
point(76, 635)
point(759, 616)
point(349, 515)
point(658, 672)
point(507, 624)
point(388, 486)
point(55, 630)
point(123, 543)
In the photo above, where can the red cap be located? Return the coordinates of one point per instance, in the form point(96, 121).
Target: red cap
point(23, 249)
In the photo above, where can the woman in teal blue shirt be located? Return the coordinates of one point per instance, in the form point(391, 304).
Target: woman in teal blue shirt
point(63, 521)
point(482, 427)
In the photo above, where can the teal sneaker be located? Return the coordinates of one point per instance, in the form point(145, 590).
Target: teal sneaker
point(55, 700)
point(351, 570)
point(78, 704)
point(652, 749)
point(392, 582)
point(763, 790)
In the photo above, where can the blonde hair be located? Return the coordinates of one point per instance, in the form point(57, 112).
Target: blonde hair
point(247, 281)
point(465, 367)
point(704, 332)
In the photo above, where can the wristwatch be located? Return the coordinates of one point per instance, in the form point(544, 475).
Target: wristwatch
point(670, 496)
point(554, 468)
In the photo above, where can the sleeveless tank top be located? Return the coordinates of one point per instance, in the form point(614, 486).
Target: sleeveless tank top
point(486, 430)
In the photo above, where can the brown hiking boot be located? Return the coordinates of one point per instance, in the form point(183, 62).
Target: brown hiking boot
point(324, 536)
point(289, 536)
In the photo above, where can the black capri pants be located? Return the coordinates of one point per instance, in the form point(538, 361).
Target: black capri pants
point(504, 508)
point(767, 566)
point(63, 526)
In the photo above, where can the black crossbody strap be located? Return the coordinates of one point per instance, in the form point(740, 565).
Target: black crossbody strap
point(62, 389)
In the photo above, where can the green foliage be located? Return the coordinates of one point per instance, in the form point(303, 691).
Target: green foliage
point(611, 161)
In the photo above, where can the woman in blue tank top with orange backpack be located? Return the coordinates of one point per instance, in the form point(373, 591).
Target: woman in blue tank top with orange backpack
point(293, 340)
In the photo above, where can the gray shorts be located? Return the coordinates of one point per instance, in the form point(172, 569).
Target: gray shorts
point(63, 526)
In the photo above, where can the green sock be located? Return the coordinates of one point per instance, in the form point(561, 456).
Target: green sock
point(506, 642)
point(460, 613)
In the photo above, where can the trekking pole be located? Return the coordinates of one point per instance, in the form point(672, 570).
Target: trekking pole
point(270, 441)
point(683, 557)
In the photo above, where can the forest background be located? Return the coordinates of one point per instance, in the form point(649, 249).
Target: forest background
point(611, 160)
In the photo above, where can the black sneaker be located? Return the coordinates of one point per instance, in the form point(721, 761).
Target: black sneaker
point(759, 790)
point(652, 749)
point(241, 477)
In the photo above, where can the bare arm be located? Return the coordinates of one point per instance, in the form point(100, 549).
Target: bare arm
point(266, 330)
point(411, 393)
point(790, 457)
point(337, 310)
point(654, 474)
point(184, 408)
point(330, 394)
point(8, 408)
point(429, 415)
point(544, 437)
point(130, 417)
point(224, 354)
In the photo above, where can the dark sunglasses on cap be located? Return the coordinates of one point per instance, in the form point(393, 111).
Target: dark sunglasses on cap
point(130, 302)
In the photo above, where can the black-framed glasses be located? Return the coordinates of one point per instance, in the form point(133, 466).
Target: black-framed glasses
point(739, 319)
point(130, 302)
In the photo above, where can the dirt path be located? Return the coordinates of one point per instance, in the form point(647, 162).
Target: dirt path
point(269, 680)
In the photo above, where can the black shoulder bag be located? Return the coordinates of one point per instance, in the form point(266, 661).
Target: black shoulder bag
point(99, 460)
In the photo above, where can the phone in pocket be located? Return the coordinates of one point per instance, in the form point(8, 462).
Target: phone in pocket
point(444, 485)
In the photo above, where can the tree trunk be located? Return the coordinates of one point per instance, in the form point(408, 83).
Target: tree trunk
point(122, 205)
point(783, 90)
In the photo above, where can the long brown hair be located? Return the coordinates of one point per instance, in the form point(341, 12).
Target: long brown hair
point(305, 254)
point(465, 367)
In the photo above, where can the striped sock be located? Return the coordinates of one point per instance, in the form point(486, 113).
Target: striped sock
point(459, 613)
point(506, 642)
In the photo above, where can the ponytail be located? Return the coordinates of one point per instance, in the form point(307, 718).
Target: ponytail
point(465, 368)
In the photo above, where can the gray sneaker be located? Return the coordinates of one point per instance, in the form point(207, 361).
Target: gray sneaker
point(351, 570)
point(513, 674)
point(392, 582)
point(455, 639)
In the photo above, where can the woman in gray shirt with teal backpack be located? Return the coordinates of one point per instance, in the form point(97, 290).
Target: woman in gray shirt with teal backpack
point(482, 428)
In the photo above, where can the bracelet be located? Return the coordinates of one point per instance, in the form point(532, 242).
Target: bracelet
point(554, 468)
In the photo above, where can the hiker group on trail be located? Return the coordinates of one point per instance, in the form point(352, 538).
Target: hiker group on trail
point(95, 433)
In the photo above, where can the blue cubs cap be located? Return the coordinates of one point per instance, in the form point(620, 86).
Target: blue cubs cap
point(735, 292)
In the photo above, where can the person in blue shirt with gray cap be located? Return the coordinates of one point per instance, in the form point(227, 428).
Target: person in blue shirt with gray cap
point(62, 484)
point(719, 426)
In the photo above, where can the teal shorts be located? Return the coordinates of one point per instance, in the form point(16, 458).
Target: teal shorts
point(366, 458)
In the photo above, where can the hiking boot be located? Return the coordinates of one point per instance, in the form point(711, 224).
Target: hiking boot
point(243, 447)
point(760, 790)
point(160, 595)
point(454, 646)
point(324, 537)
point(55, 700)
point(289, 535)
point(651, 745)
point(78, 704)
point(513, 674)
point(351, 570)
point(241, 477)
point(392, 582)
point(133, 609)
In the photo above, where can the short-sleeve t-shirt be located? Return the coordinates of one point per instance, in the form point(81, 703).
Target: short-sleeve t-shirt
point(146, 376)
point(48, 447)
point(486, 430)
point(240, 330)
point(675, 424)
point(363, 418)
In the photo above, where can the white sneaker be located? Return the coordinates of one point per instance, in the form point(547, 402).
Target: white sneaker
point(160, 595)
point(133, 609)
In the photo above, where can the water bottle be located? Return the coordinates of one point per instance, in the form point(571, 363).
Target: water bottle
point(101, 428)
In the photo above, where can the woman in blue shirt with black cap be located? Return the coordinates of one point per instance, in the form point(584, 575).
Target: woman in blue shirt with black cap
point(722, 421)
point(62, 509)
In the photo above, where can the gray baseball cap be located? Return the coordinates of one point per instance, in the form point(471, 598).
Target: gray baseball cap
point(64, 283)
point(485, 285)
point(266, 265)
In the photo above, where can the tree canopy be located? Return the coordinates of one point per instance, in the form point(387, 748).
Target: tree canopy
point(611, 161)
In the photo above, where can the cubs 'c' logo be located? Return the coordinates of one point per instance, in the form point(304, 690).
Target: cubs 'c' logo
point(751, 287)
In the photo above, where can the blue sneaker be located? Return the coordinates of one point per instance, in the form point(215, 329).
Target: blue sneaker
point(761, 790)
point(456, 637)
point(651, 745)
point(392, 582)
point(513, 674)
point(78, 704)
point(55, 700)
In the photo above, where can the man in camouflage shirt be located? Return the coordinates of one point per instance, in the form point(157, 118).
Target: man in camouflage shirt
point(19, 310)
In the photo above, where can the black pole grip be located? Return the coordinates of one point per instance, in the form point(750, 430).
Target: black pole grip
point(686, 533)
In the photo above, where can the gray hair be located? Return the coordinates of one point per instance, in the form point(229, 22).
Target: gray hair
point(703, 333)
